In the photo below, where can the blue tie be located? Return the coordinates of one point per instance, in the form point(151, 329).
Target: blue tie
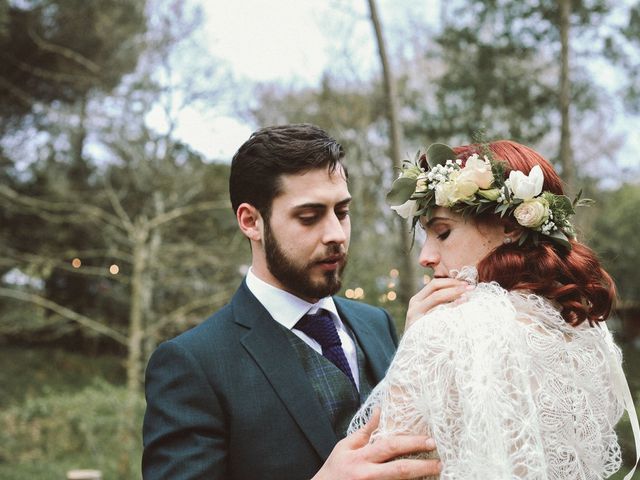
point(321, 328)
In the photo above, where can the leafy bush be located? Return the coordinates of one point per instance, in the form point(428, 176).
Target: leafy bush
point(97, 427)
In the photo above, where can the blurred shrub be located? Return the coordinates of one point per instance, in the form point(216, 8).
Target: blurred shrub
point(96, 427)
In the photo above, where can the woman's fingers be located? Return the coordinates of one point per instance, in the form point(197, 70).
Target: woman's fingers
point(436, 292)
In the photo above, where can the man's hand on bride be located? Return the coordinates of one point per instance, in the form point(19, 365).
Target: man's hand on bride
point(354, 458)
point(434, 293)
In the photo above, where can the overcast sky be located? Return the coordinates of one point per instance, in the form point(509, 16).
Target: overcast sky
point(294, 41)
point(290, 41)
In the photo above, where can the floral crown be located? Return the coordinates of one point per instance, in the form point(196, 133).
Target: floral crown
point(478, 185)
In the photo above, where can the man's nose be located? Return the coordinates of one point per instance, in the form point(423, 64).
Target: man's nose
point(335, 230)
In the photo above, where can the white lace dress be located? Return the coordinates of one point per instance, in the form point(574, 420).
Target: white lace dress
point(507, 389)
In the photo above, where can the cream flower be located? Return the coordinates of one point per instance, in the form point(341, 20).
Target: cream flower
point(407, 210)
point(532, 213)
point(455, 190)
point(422, 183)
point(478, 171)
point(525, 187)
point(491, 194)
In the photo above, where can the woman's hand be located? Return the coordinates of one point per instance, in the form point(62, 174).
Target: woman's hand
point(434, 293)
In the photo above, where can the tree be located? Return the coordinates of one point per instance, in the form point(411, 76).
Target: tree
point(141, 210)
point(408, 279)
point(59, 51)
point(614, 237)
point(566, 154)
point(496, 69)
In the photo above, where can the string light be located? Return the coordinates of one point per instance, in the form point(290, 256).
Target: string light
point(394, 273)
point(114, 269)
point(392, 296)
point(76, 263)
point(355, 293)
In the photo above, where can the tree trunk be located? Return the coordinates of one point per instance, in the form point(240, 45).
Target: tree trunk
point(136, 326)
point(407, 269)
point(566, 154)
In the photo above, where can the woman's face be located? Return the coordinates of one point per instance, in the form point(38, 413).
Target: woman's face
point(454, 242)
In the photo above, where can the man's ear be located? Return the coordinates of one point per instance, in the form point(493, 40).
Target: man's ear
point(250, 221)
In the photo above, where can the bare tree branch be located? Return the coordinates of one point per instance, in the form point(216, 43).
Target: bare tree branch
point(187, 210)
point(65, 312)
point(42, 207)
point(20, 94)
point(64, 52)
point(117, 206)
point(64, 265)
point(47, 74)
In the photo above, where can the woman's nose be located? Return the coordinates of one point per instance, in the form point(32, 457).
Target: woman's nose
point(429, 257)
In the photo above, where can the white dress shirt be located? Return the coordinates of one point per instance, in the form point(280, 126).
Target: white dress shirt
point(287, 309)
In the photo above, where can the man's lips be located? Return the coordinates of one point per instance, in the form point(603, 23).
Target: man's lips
point(330, 263)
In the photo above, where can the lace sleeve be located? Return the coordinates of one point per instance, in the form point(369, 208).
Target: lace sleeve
point(461, 374)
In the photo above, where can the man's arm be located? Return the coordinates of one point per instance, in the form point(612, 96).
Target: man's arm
point(184, 429)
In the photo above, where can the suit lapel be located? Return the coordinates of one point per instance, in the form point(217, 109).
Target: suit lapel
point(267, 343)
point(378, 356)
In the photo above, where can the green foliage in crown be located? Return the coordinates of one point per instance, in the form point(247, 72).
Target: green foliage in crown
point(477, 185)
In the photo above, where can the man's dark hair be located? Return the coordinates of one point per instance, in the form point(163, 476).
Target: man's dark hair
point(258, 165)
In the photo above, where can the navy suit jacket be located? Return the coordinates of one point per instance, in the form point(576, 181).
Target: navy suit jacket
point(230, 399)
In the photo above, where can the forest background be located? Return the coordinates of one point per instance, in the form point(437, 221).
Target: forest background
point(115, 227)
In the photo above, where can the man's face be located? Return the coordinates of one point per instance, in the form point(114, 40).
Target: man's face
point(307, 236)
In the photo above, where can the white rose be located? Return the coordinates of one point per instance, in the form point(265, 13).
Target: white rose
point(532, 213)
point(525, 187)
point(443, 194)
point(407, 210)
point(451, 192)
point(478, 171)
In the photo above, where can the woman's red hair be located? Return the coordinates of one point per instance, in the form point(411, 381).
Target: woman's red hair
point(573, 278)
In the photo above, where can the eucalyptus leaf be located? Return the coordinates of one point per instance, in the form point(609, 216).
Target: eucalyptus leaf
point(439, 153)
point(559, 237)
point(401, 190)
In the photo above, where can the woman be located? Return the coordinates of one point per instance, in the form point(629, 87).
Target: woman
point(511, 370)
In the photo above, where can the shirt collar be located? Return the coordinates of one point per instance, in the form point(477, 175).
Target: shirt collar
point(284, 307)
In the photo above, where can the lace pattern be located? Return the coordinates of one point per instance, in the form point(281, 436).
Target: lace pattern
point(507, 389)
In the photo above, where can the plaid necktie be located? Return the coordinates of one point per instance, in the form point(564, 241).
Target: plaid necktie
point(321, 328)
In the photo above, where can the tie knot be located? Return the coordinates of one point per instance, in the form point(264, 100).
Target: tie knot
point(321, 328)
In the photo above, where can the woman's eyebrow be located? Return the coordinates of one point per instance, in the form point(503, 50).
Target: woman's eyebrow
point(437, 219)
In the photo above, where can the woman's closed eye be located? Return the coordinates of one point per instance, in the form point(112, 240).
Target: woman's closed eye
point(443, 235)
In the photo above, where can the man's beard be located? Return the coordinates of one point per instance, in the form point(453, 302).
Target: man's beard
point(296, 279)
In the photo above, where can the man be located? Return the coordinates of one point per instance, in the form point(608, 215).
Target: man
point(264, 389)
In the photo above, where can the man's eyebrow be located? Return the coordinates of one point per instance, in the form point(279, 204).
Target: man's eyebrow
point(320, 206)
